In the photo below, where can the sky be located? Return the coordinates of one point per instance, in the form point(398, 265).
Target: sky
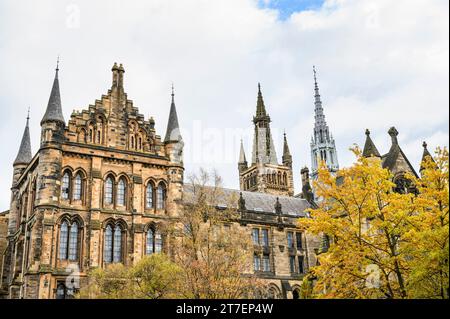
point(380, 63)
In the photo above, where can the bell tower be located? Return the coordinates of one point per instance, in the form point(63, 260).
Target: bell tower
point(265, 174)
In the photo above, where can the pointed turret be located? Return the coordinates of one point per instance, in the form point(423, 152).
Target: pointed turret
point(369, 147)
point(287, 158)
point(24, 155)
point(425, 155)
point(173, 129)
point(242, 164)
point(54, 109)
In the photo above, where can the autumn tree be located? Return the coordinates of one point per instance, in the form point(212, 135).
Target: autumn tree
point(365, 221)
point(429, 235)
point(153, 277)
point(212, 251)
point(382, 244)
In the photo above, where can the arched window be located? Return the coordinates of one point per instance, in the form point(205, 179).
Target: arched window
point(109, 190)
point(73, 242)
point(113, 244)
point(69, 241)
point(296, 294)
point(121, 191)
point(63, 237)
point(107, 254)
point(140, 143)
point(99, 137)
point(272, 293)
point(91, 133)
point(150, 242)
point(149, 196)
point(65, 186)
point(161, 196)
point(117, 245)
point(158, 242)
point(154, 242)
point(78, 187)
point(132, 141)
point(60, 291)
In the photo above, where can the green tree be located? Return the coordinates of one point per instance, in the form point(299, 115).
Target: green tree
point(153, 277)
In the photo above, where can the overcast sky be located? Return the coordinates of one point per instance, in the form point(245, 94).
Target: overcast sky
point(380, 63)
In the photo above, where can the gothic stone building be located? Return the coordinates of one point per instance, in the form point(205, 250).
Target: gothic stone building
point(103, 186)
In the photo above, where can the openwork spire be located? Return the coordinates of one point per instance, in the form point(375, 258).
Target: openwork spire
point(24, 155)
point(318, 109)
point(173, 129)
point(54, 109)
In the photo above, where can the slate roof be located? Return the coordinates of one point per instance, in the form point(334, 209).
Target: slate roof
point(24, 154)
point(389, 159)
point(369, 147)
point(54, 109)
point(260, 202)
point(173, 129)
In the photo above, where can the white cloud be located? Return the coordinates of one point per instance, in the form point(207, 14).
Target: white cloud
point(380, 63)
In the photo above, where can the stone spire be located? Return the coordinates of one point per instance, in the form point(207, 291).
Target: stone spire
point(263, 147)
point(260, 107)
point(173, 129)
point(242, 164)
point(369, 147)
point(323, 146)
point(24, 155)
point(287, 158)
point(242, 158)
point(54, 110)
point(426, 153)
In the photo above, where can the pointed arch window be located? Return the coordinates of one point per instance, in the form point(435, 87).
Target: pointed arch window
point(65, 186)
point(113, 244)
point(63, 236)
point(121, 191)
point(161, 196)
point(149, 196)
point(107, 255)
point(69, 241)
point(117, 245)
point(78, 187)
point(154, 242)
point(109, 190)
point(73, 242)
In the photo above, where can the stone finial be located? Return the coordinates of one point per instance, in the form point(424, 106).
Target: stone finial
point(393, 133)
point(367, 132)
point(278, 207)
point(241, 202)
